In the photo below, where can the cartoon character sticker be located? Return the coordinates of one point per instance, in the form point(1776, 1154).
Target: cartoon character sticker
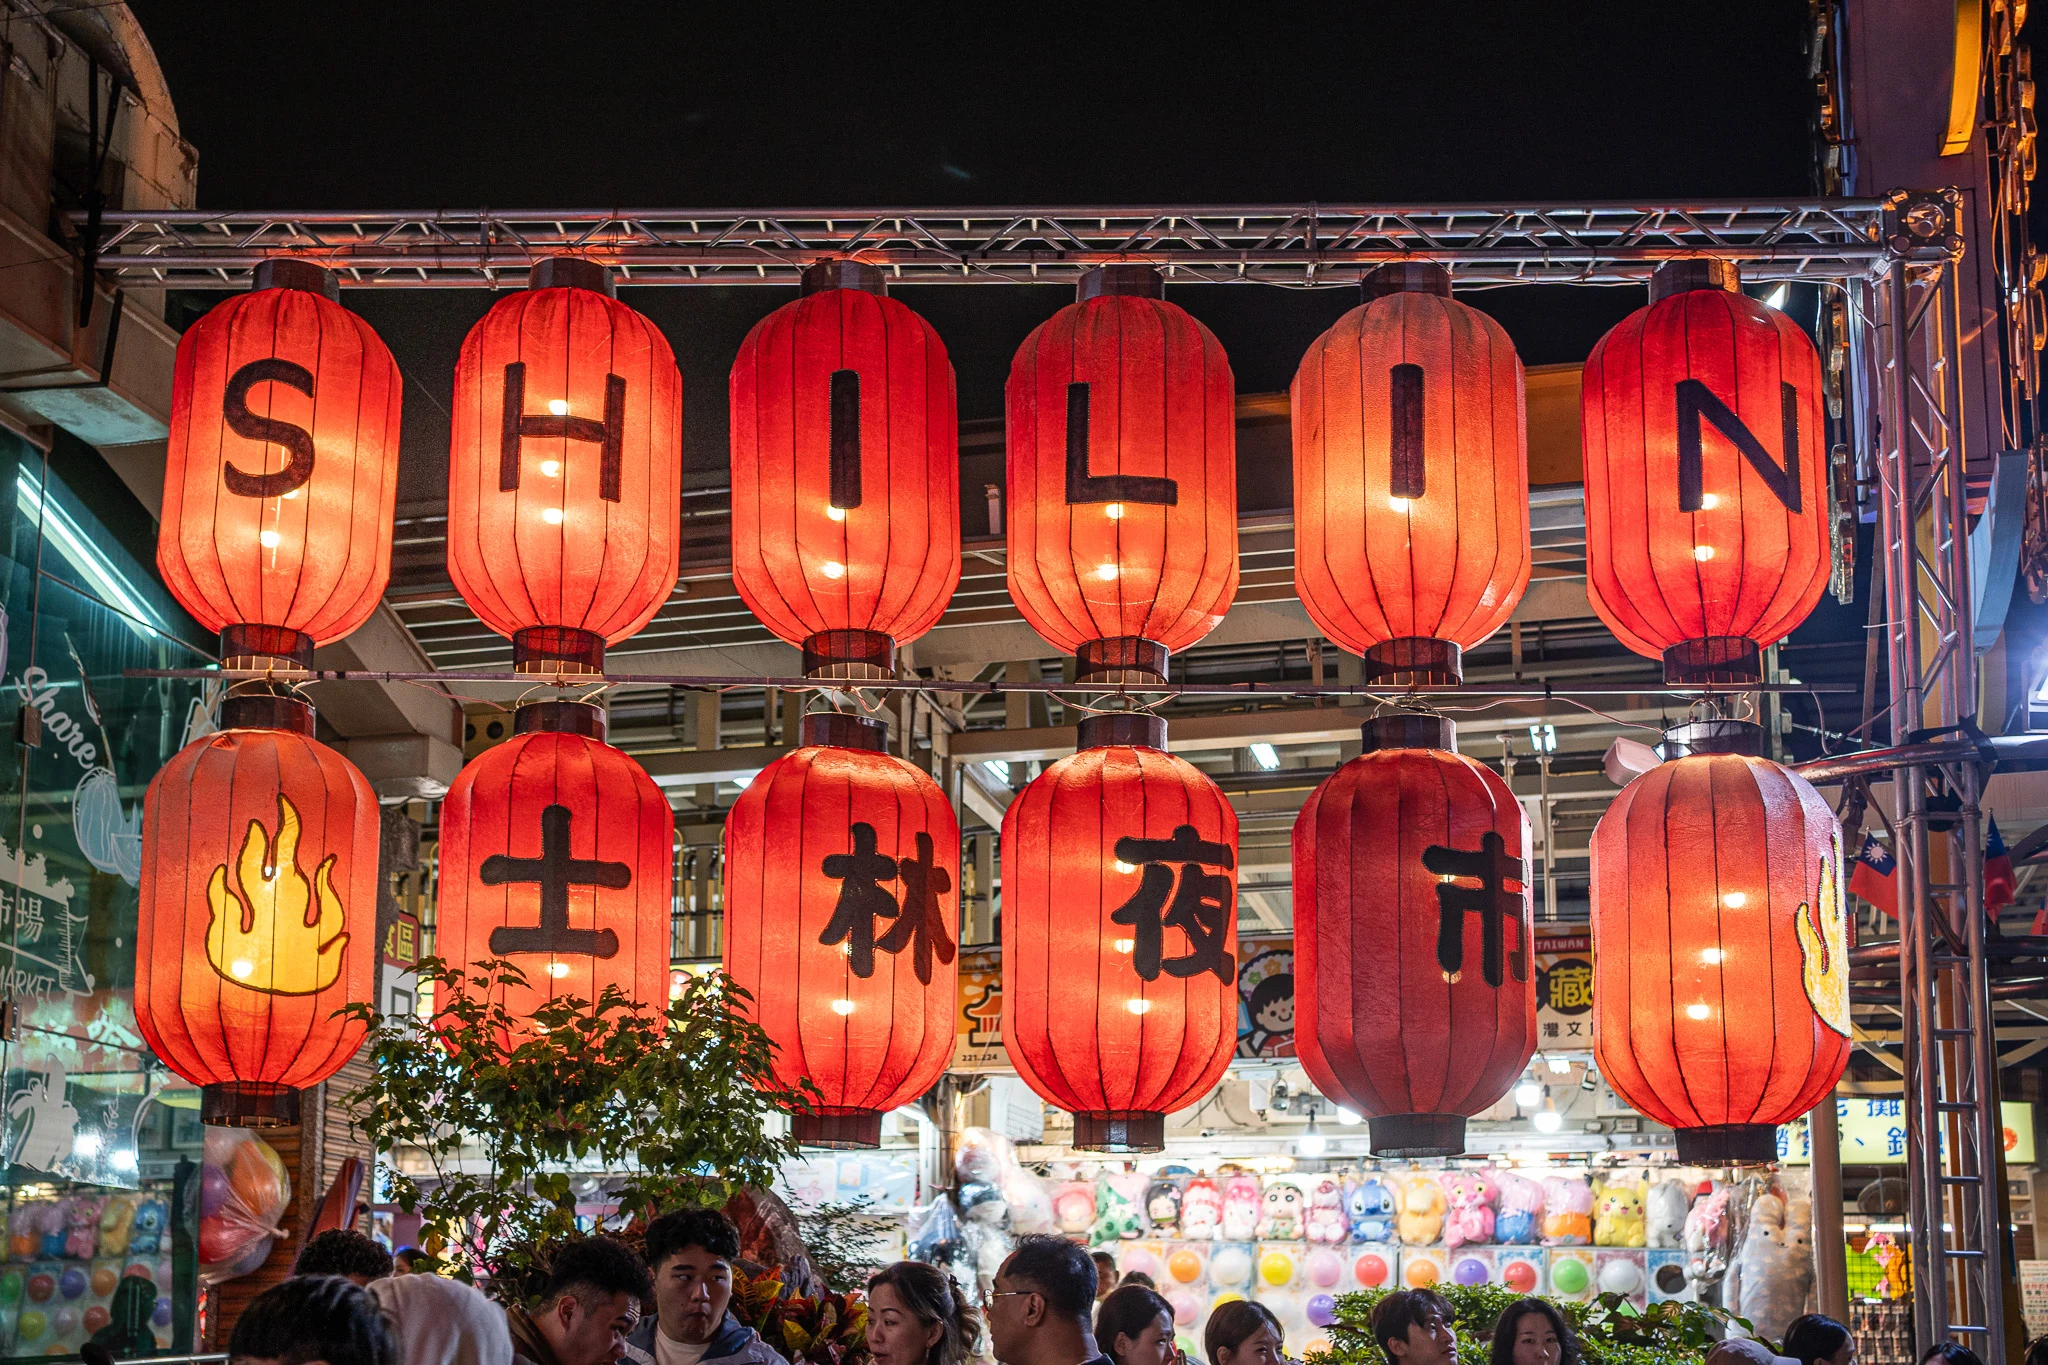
point(1265, 1009)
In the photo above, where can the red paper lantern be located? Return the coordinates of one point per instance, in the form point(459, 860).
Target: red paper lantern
point(842, 872)
point(1120, 933)
point(1415, 991)
point(564, 469)
point(282, 471)
point(558, 855)
point(1706, 485)
point(845, 473)
point(1720, 946)
point(259, 911)
point(1411, 478)
point(1123, 478)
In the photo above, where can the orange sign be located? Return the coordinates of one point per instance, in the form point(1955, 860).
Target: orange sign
point(978, 1045)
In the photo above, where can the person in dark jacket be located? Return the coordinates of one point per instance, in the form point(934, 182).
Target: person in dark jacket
point(311, 1318)
point(588, 1308)
point(691, 1252)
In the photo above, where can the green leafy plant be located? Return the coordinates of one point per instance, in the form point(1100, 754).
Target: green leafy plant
point(1611, 1329)
point(845, 1242)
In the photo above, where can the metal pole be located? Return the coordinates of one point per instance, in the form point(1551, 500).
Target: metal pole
point(1830, 1251)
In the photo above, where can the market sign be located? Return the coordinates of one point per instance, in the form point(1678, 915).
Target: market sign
point(978, 1044)
point(1564, 992)
point(1874, 1133)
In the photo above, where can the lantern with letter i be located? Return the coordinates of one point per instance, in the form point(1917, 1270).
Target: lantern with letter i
point(282, 470)
point(1120, 933)
point(558, 856)
point(1706, 482)
point(1122, 520)
point(1720, 945)
point(257, 924)
point(842, 871)
point(1411, 478)
point(1415, 994)
point(565, 469)
point(845, 473)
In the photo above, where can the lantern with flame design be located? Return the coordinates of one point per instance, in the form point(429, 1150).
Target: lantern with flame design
point(565, 469)
point(282, 470)
point(1120, 933)
point(258, 912)
point(1720, 945)
point(841, 868)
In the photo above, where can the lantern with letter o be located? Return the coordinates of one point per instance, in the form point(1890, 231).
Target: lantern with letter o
point(1706, 481)
point(565, 469)
point(558, 856)
point(845, 473)
point(258, 914)
point(282, 471)
point(1120, 933)
point(1122, 516)
point(1411, 478)
point(1720, 946)
point(842, 872)
point(1414, 985)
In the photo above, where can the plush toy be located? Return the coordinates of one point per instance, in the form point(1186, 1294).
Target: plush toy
point(56, 1226)
point(1073, 1207)
point(1708, 1234)
point(1471, 1196)
point(1370, 1207)
point(1618, 1214)
point(1281, 1213)
point(1240, 1208)
point(1116, 1208)
point(82, 1226)
point(1520, 1222)
point(1897, 1281)
point(1030, 1202)
point(1568, 1212)
point(1670, 1201)
point(1162, 1208)
point(1201, 1210)
point(152, 1228)
point(115, 1221)
point(1772, 1275)
point(1422, 1211)
point(1326, 1222)
point(25, 1230)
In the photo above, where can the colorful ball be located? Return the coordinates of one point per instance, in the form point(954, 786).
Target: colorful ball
point(1324, 1268)
point(1569, 1276)
point(214, 1190)
point(1470, 1271)
point(1519, 1276)
point(1620, 1276)
point(1184, 1266)
point(1420, 1274)
point(32, 1325)
point(64, 1321)
point(1276, 1268)
point(103, 1281)
point(97, 1317)
point(41, 1286)
point(1222, 1299)
point(1370, 1271)
point(1185, 1309)
point(1232, 1265)
point(162, 1316)
point(1321, 1310)
point(1317, 1346)
point(72, 1283)
point(10, 1286)
point(1141, 1261)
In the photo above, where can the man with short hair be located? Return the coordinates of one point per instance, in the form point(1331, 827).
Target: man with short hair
point(312, 1318)
point(1413, 1327)
point(588, 1308)
point(343, 1251)
point(691, 1252)
point(1105, 1275)
point(1038, 1310)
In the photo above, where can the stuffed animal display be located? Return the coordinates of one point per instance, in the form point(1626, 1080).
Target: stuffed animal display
point(1568, 1211)
point(1422, 1211)
point(1281, 1213)
point(1708, 1235)
point(1240, 1208)
point(1670, 1201)
point(1470, 1196)
point(1162, 1208)
point(1073, 1207)
point(1618, 1214)
point(1116, 1208)
point(1520, 1221)
point(1772, 1275)
point(82, 1226)
point(1369, 1205)
point(151, 1231)
point(1201, 1210)
point(1326, 1221)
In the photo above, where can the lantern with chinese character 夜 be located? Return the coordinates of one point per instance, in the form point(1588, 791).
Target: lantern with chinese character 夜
point(257, 924)
point(558, 856)
point(1120, 933)
point(845, 473)
point(1720, 946)
point(1706, 481)
point(565, 469)
point(842, 871)
point(1415, 993)
point(282, 470)
point(1411, 478)
point(1122, 511)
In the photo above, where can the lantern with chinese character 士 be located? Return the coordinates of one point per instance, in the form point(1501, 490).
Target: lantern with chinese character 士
point(842, 868)
point(1720, 946)
point(558, 856)
point(565, 469)
point(1411, 478)
point(1122, 520)
point(257, 924)
point(282, 470)
point(1706, 482)
point(1414, 988)
point(1120, 933)
point(845, 473)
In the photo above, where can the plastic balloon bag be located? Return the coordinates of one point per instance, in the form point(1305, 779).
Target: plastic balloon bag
point(243, 1191)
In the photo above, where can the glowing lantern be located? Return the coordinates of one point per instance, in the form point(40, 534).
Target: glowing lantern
point(565, 469)
point(1411, 478)
point(1120, 933)
point(1122, 524)
point(1706, 483)
point(558, 855)
point(842, 870)
point(845, 473)
point(258, 913)
point(1415, 992)
point(282, 471)
point(1720, 946)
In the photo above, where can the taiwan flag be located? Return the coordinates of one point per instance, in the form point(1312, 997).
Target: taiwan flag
point(2000, 885)
point(1875, 878)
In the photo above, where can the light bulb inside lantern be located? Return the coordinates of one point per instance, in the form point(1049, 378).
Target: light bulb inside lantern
point(1703, 553)
point(1115, 511)
point(1735, 900)
point(1126, 868)
point(1125, 945)
point(551, 468)
point(1107, 573)
point(1709, 501)
point(558, 970)
point(551, 515)
point(832, 568)
point(1697, 1011)
point(558, 406)
point(842, 1007)
point(835, 513)
point(1397, 504)
point(1713, 957)
point(268, 539)
point(1137, 1006)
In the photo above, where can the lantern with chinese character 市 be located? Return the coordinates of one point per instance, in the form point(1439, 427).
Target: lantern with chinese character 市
point(282, 470)
point(257, 923)
point(842, 874)
point(1120, 933)
point(1720, 946)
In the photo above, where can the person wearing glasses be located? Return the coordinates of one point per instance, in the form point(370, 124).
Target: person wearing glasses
point(1038, 1308)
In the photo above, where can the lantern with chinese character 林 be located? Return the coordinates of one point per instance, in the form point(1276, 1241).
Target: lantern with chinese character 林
point(845, 473)
point(557, 855)
point(257, 923)
point(1122, 512)
point(282, 469)
point(842, 870)
point(1411, 478)
point(1120, 933)
point(564, 469)
point(1720, 946)
point(1706, 481)
point(1414, 987)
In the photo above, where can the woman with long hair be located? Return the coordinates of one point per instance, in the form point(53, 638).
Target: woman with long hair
point(1244, 1333)
point(918, 1316)
point(1134, 1326)
point(1817, 1339)
point(1532, 1332)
